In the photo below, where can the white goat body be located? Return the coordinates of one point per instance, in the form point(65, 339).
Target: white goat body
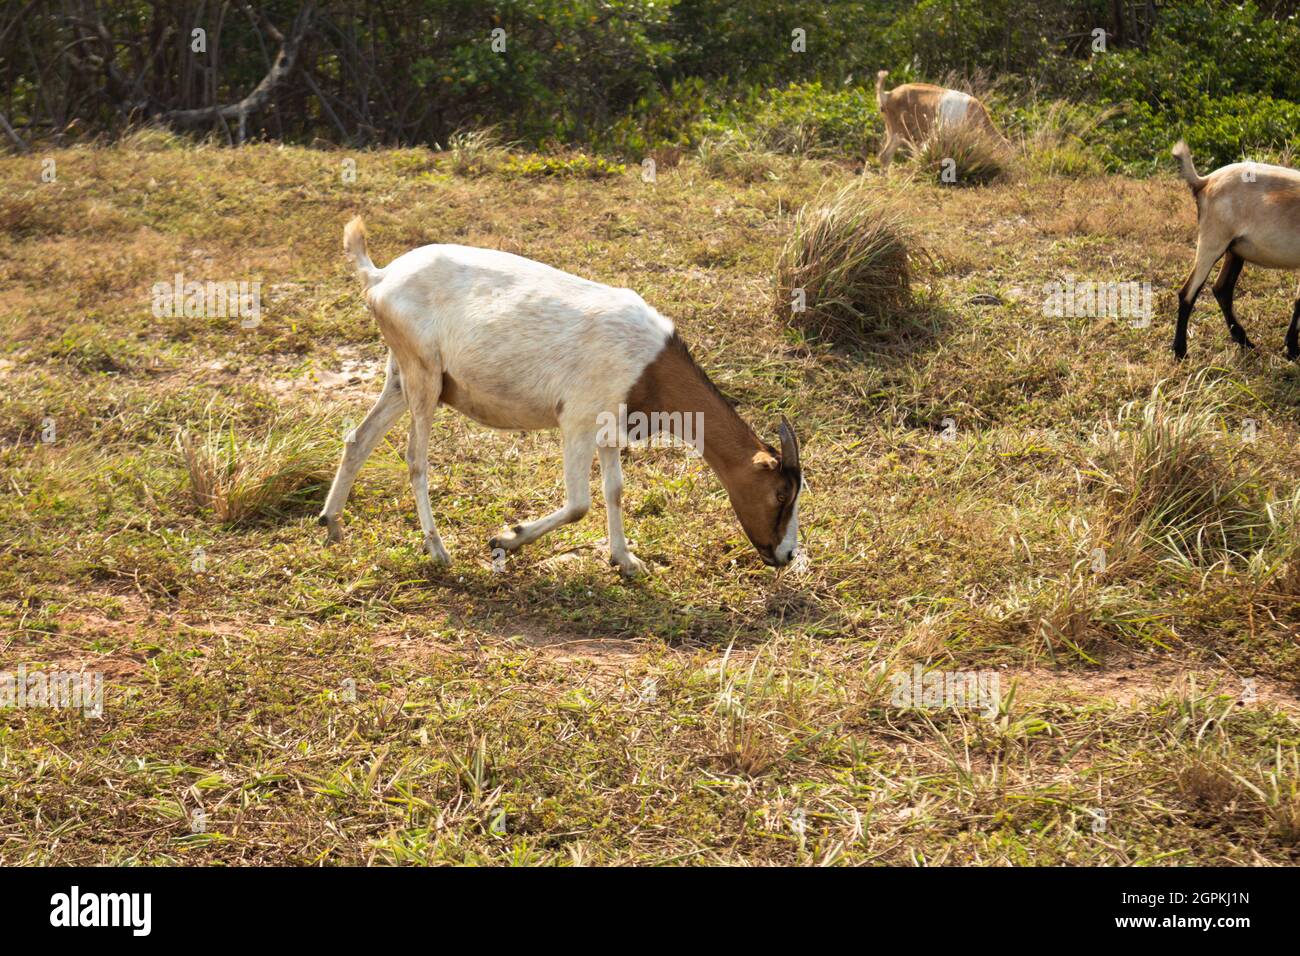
point(515, 344)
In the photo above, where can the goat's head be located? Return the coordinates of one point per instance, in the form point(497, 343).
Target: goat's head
point(765, 495)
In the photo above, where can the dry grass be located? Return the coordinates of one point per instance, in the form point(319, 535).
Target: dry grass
point(964, 154)
point(845, 270)
point(239, 478)
point(1176, 476)
point(476, 152)
point(732, 155)
point(349, 704)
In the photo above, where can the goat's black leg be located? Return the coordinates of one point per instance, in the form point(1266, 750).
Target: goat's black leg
point(1293, 334)
point(1224, 287)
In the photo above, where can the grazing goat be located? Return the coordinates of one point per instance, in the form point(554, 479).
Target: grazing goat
point(912, 111)
point(1246, 212)
point(515, 344)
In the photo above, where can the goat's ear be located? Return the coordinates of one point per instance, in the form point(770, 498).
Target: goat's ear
point(789, 445)
point(763, 460)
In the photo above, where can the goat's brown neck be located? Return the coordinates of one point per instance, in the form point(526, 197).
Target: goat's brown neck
point(674, 383)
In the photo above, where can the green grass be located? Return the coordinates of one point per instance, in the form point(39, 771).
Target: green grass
point(349, 704)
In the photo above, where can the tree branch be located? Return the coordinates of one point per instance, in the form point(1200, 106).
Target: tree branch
point(256, 100)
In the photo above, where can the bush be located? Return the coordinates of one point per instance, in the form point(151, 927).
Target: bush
point(844, 271)
point(806, 119)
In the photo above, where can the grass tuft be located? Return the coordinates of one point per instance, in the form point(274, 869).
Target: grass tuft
point(1175, 477)
point(733, 155)
point(844, 271)
point(964, 155)
point(1061, 139)
point(242, 479)
point(475, 152)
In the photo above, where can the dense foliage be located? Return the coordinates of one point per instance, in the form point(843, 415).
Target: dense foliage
point(626, 76)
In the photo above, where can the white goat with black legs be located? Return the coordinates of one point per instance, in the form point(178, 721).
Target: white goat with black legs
point(515, 344)
point(1245, 212)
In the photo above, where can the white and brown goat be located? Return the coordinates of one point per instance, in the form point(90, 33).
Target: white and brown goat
point(914, 110)
point(515, 344)
point(1245, 212)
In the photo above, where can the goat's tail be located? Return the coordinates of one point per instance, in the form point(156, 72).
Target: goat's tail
point(1187, 168)
point(882, 97)
point(354, 244)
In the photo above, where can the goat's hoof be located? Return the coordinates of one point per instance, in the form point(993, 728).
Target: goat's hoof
point(1292, 354)
point(333, 528)
point(506, 542)
point(437, 553)
point(631, 567)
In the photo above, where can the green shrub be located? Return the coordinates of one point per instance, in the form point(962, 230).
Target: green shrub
point(576, 166)
point(809, 119)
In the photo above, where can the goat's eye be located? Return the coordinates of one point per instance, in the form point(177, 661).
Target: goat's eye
point(780, 497)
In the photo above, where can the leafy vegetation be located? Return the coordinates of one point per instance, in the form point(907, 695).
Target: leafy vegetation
point(625, 78)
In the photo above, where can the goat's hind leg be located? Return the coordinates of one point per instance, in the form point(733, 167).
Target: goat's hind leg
point(1293, 332)
point(422, 393)
point(1206, 257)
point(579, 448)
point(1224, 287)
point(358, 445)
point(886, 155)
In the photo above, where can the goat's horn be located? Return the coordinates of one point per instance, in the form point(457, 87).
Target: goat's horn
point(789, 445)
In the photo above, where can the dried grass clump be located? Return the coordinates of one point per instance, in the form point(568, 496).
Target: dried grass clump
point(241, 479)
point(965, 154)
point(476, 152)
point(1175, 476)
point(733, 155)
point(844, 272)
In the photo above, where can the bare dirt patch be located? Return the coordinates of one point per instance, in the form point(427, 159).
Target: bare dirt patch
point(1134, 681)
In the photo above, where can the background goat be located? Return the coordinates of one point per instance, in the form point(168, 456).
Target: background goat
point(515, 344)
point(1245, 212)
point(913, 110)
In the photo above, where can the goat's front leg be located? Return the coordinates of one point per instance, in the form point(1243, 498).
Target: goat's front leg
point(579, 447)
point(611, 473)
point(422, 396)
